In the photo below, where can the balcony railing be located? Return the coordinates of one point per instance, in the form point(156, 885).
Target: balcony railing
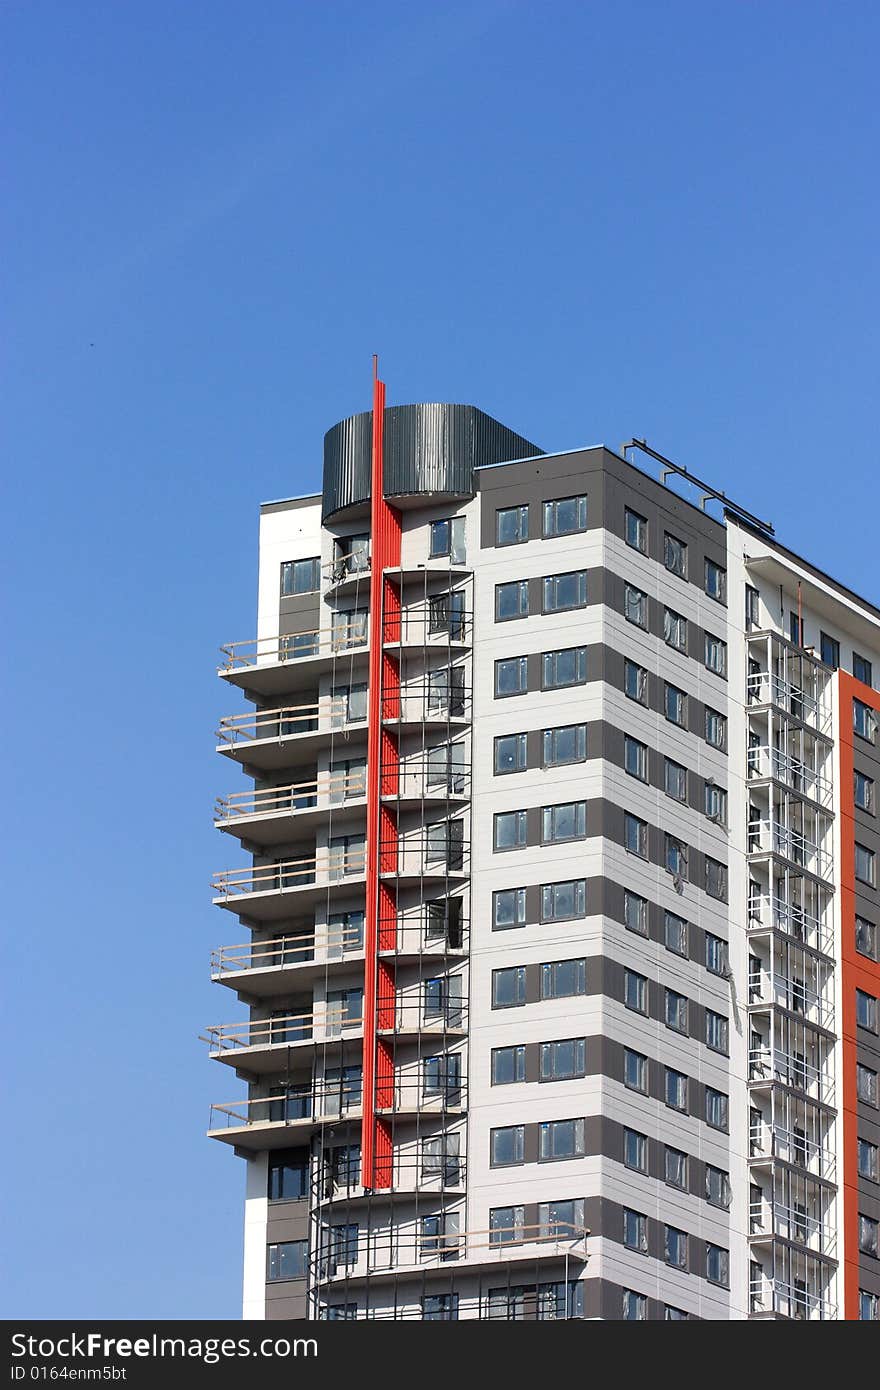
point(417, 701)
point(326, 866)
point(319, 1024)
point(287, 721)
point(777, 1219)
point(396, 1248)
point(771, 762)
point(762, 688)
point(786, 993)
point(775, 913)
point(772, 1064)
point(354, 565)
point(775, 1296)
point(766, 1142)
point(423, 779)
point(444, 619)
point(409, 1172)
point(291, 1105)
point(295, 646)
point(766, 836)
point(330, 788)
point(282, 951)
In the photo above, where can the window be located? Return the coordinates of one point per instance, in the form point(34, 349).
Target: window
point(675, 1168)
point(635, 1306)
point(864, 721)
point(442, 1076)
point(636, 531)
point(511, 676)
point(339, 1312)
point(512, 525)
point(565, 516)
point(671, 1314)
point(635, 682)
point(717, 1031)
point(635, 1150)
point(752, 617)
point(716, 879)
point(567, 744)
point(511, 753)
point(446, 689)
point(866, 1010)
point(567, 821)
point(510, 830)
point(564, 1218)
point(635, 835)
point(635, 991)
point(675, 1011)
point(675, 1247)
point(511, 600)
point(561, 1061)
point(562, 979)
point(509, 987)
point(635, 606)
point(508, 1065)
point(717, 1187)
point(717, 1265)
point(863, 791)
point(866, 1084)
point(348, 705)
point(563, 592)
point(506, 1225)
point(446, 613)
point(440, 1156)
point(865, 870)
point(635, 758)
point(635, 913)
point(866, 938)
point(560, 902)
point(440, 1307)
point(507, 1145)
point(795, 629)
point(287, 1260)
point(675, 705)
point(508, 908)
point(635, 1231)
point(868, 1160)
point(869, 1306)
point(830, 650)
point(675, 630)
point(716, 954)
point(300, 577)
point(446, 767)
point(675, 933)
point(288, 1177)
point(715, 655)
point(348, 629)
point(676, 857)
point(716, 728)
point(445, 843)
point(716, 1108)
point(675, 780)
point(676, 1089)
point(447, 538)
point(869, 1236)
point(562, 668)
point(715, 803)
point(862, 669)
point(635, 1071)
point(716, 582)
point(293, 645)
point(675, 556)
point(560, 1139)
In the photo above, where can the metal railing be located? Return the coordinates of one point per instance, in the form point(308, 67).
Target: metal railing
point(354, 565)
point(408, 1173)
point(329, 713)
point(766, 836)
point(786, 993)
point(762, 688)
point(294, 646)
point(768, 1219)
point(433, 624)
point(764, 761)
point(294, 1105)
point(772, 1064)
point(766, 1142)
point(326, 866)
point(318, 1024)
point(418, 855)
point(775, 1296)
point(397, 1247)
point(332, 788)
point(281, 951)
point(775, 913)
point(419, 701)
point(421, 779)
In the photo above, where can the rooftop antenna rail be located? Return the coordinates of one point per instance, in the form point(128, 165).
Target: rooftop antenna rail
point(707, 492)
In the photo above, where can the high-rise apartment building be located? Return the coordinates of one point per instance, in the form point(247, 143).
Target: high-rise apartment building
point(563, 918)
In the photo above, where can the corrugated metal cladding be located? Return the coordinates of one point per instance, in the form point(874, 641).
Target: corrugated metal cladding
point(429, 449)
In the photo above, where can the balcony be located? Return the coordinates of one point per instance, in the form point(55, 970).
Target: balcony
point(769, 1142)
point(442, 702)
point(773, 1297)
point(272, 739)
point(437, 854)
point(768, 1220)
point(436, 1011)
point(785, 993)
point(413, 782)
point(768, 836)
point(275, 815)
point(268, 666)
point(432, 930)
point(768, 1066)
point(768, 913)
point(770, 763)
point(261, 1046)
point(348, 572)
point(286, 1119)
point(443, 622)
point(268, 892)
point(410, 1173)
point(764, 689)
point(271, 968)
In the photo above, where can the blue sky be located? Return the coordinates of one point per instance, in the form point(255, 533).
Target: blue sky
point(593, 220)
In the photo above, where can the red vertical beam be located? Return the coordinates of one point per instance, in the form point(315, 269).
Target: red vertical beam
point(857, 972)
point(385, 554)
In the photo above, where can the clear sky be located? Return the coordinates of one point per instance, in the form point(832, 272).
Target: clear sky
point(591, 219)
